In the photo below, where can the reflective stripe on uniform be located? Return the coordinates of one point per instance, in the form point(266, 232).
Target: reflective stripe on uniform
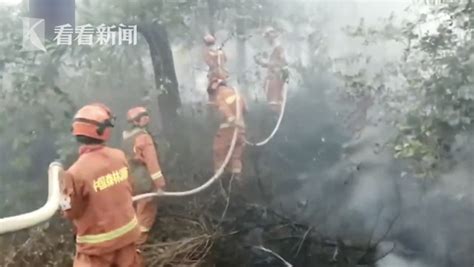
point(111, 235)
point(230, 99)
point(224, 125)
point(157, 175)
point(274, 103)
point(143, 229)
point(236, 170)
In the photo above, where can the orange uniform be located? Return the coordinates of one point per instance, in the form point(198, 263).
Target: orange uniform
point(215, 60)
point(226, 100)
point(97, 197)
point(275, 79)
point(143, 158)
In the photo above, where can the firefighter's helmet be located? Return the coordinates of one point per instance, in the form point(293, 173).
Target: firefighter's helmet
point(93, 121)
point(138, 116)
point(209, 39)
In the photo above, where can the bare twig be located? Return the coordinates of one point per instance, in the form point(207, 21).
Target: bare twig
point(334, 255)
point(303, 240)
point(184, 252)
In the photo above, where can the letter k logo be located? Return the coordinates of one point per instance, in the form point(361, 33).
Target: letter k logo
point(33, 34)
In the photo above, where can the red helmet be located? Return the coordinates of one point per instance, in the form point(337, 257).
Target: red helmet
point(138, 116)
point(209, 39)
point(94, 121)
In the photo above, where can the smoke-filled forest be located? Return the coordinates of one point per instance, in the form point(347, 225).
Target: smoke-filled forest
point(371, 163)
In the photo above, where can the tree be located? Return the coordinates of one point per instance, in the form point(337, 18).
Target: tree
point(433, 99)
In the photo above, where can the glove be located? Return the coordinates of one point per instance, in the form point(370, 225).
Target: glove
point(285, 74)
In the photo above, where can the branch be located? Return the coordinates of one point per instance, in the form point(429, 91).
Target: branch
point(64, 96)
point(371, 248)
point(303, 240)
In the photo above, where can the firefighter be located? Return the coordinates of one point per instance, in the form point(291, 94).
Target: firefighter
point(96, 194)
point(142, 155)
point(215, 59)
point(226, 100)
point(277, 74)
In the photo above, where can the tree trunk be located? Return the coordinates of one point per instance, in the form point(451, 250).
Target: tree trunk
point(212, 6)
point(166, 82)
point(241, 49)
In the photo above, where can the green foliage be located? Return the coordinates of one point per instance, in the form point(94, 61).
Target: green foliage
point(26, 92)
point(431, 100)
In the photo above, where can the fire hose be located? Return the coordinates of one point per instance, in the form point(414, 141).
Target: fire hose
point(277, 125)
point(26, 220)
point(30, 219)
point(216, 175)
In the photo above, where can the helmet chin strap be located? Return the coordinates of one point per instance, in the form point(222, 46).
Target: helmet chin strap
point(104, 125)
point(101, 126)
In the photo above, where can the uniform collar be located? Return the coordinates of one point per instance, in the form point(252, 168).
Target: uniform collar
point(89, 148)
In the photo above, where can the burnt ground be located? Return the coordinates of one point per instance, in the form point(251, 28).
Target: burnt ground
point(196, 233)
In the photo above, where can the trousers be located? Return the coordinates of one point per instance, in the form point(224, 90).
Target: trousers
point(125, 257)
point(222, 142)
point(146, 210)
point(274, 92)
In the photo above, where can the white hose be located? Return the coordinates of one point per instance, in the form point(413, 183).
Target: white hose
point(216, 175)
point(277, 126)
point(26, 220)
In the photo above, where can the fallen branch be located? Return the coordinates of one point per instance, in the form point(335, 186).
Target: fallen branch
point(184, 252)
point(274, 254)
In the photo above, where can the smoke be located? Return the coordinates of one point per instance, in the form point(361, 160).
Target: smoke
point(359, 192)
point(364, 193)
point(396, 261)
